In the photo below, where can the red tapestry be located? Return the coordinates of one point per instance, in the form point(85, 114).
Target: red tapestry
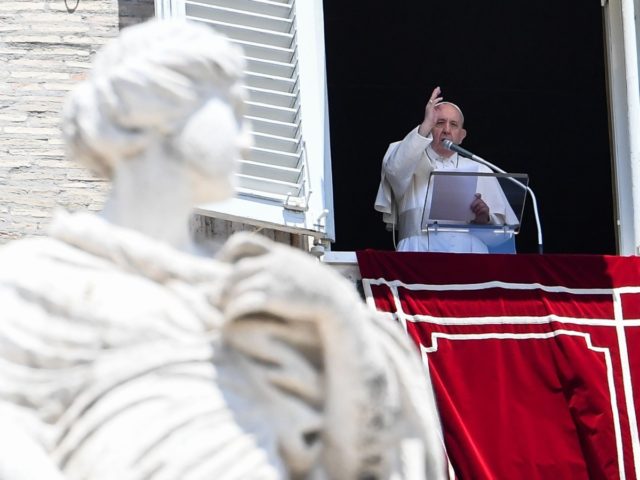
point(534, 359)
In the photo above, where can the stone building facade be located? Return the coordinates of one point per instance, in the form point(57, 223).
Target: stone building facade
point(46, 47)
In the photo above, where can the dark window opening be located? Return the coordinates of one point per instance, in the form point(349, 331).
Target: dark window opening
point(530, 77)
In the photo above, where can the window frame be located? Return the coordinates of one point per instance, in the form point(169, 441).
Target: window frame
point(313, 217)
point(621, 43)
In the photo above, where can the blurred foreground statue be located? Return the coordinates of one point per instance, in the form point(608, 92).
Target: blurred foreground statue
point(125, 355)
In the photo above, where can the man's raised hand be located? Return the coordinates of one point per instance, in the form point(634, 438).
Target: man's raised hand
point(430, 113)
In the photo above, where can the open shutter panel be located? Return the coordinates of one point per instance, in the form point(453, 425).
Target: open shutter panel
point(275, 185)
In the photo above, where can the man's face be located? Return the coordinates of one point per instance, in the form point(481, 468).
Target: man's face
point(448, 126)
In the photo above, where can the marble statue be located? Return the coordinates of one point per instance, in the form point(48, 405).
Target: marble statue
point(125, 353)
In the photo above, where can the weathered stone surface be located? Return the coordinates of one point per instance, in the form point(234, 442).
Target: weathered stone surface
point(46, 49)
point(128, 352)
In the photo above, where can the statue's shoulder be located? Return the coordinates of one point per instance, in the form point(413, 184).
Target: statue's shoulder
point(36, 264)
point(26, 251)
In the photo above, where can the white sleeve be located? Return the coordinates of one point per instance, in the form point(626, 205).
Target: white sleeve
point(402, 159)
point(499, 207)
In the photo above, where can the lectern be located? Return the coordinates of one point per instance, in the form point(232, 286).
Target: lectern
point(451, 192)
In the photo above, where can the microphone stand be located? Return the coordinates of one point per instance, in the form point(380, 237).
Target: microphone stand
point(526, 187)
point(465, 153)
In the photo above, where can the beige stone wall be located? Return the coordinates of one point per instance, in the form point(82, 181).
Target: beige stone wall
point(46, 47)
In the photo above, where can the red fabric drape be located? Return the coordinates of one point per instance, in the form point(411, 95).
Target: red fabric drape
point(534, 359)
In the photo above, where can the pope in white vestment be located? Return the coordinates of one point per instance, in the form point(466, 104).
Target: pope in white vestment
point(406, 170)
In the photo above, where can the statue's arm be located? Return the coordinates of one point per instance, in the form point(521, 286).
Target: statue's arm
point(353, 382)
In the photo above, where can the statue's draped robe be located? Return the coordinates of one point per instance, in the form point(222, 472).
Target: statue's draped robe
point(121, 357)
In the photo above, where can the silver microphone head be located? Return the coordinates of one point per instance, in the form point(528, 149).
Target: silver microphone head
point(447, 143)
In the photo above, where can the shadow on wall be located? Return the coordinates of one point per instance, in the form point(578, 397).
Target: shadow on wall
point(72, 5)
point(131, 12)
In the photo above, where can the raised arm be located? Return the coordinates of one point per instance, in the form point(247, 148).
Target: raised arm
point(402, 158)
point(430, 113)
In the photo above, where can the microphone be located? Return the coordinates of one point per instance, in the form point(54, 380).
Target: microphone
point(449, 145)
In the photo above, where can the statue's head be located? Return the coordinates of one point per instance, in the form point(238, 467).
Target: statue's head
point(171, 87)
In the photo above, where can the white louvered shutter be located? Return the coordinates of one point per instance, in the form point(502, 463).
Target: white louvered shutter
point(286, 181)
